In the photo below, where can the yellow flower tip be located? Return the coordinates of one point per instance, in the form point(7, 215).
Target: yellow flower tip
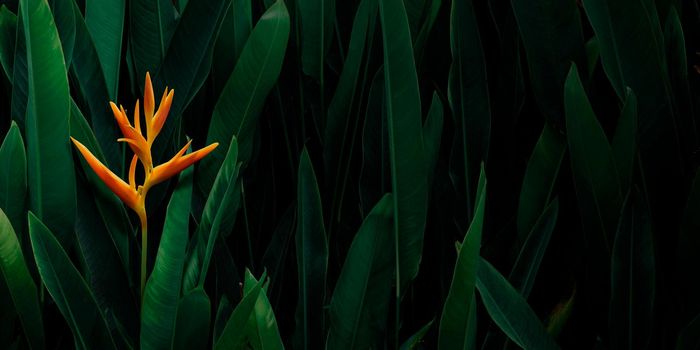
point(113, 182)
point(148, 98)
point(137, 118)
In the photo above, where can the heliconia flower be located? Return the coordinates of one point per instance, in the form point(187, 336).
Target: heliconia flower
point(133, 195)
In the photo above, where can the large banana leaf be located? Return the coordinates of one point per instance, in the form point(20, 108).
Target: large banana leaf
point(457, 322)
point(316, 20)
point(8, 34)
point(360, 303)
point(51, 177)
point(256, 72)
point(312, 258)
point(20, 284)
point(192, 325)
point(233, 336)
point(162, 293)
point(68, 289)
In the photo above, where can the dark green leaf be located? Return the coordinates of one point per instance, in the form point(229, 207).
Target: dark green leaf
point(522, 277)
point(432, 135)
point(540, 175)
point(8, 34)
point(50, 165)
point(161, 296)
point(264, 333)
point(256, 72)
point(407, 155)
point(552, 37)
point(13, 178)
point(360, 303)
point(316, 19)
point(510, 311)
point(312, 258)
point(457, 320)
point(234, 336)
point(20, 284)
point(68, 289)
point(193, 317)
point(633, 277)
point(105, 21)
point(593, 164)
point(413, 341)
point(624, 142)
point(468, 96)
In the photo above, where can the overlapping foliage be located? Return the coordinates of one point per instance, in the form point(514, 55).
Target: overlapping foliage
point(391, 174)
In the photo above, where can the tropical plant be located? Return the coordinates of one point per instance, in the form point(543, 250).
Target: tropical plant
point(355, 174)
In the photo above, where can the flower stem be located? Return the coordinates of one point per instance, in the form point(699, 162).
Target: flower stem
point(144, 250)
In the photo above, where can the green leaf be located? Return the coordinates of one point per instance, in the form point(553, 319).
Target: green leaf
point(188, 59)
point(632, 54)
point(624, 142)
point(524, 271)
point(193, 318)
point(424, 34)
point(50, 165)
point(148, 34)
point(593, 164)
point(552, 37)
point(407, 155)
point(161, 296)
point(236, 111)
point(633, 277)
point(8, 35)
point(468, 97)
point(65, 23)
point(540, 176)
point(457, 320)
point(312, 258)
point(68, 289)
point(234, 336)
point(316, 19)
point(347, 98)
point(20, 284)
point(233, 35)
point(13, 178)
point(592, 55)
point(219, 216)
point(20, 89)
point(510, 311)
point(92, 85)
point(105, 21)
point(264, 332)
point(432, 135)
point(689, 336)
point(360, 303)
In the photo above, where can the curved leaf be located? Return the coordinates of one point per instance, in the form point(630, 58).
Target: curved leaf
point(50, 165)
point(233, 335)
point(20, 284)
point(161, 296)
point(624, 142)
point(68, 289)
point(457, 322)
point(540, 176)
point(219, 216)
point(8, 35)
point(256, 72)
point(510, 311)
point(264, 333)
point(316, 18)
point(360, 303)
point(312, 258)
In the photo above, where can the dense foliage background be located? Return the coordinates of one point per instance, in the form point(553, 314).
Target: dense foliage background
point(391, 173)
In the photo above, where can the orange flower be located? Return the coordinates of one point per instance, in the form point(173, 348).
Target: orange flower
point(131, 194)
